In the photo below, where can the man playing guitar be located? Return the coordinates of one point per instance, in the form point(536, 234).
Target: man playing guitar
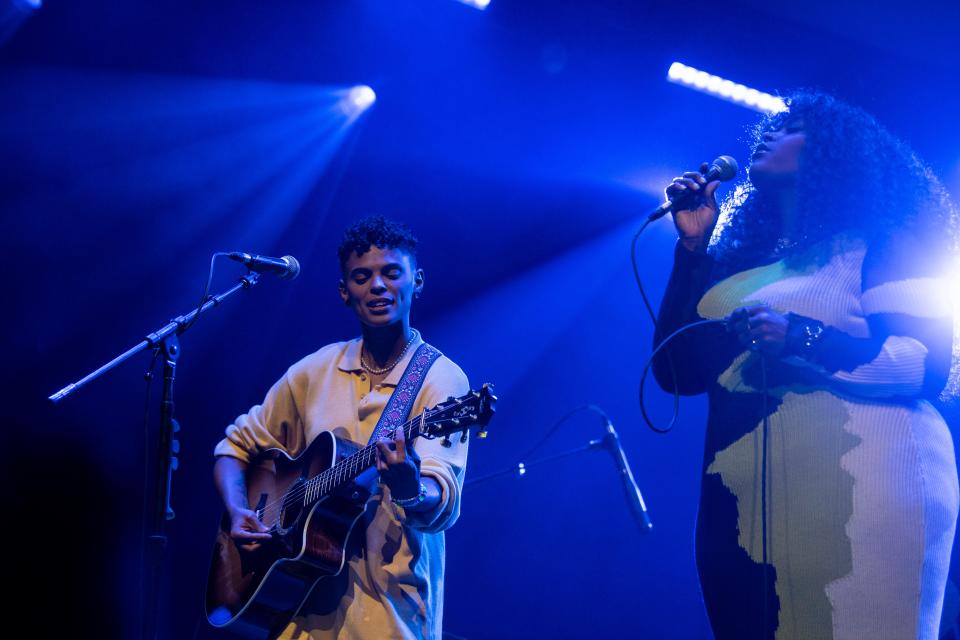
point(391, 585)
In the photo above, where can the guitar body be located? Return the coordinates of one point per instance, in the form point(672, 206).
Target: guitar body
point(256, 592)
point(311, 504)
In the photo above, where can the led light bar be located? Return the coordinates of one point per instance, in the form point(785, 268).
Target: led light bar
point(716, 86)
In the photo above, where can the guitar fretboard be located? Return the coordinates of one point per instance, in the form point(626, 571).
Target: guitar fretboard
point(455, 415)
point(326, 482)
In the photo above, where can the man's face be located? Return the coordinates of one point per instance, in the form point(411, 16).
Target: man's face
point(380, 285)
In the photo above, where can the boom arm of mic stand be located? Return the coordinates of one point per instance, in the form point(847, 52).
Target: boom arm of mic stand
point(607, 442)
point(178, 325)
point(165, 340)
point(522, 467)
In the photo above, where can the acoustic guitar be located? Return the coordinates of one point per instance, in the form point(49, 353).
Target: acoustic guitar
point(311, 504)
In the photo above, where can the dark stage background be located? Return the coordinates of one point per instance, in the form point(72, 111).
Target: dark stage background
point(522, 143)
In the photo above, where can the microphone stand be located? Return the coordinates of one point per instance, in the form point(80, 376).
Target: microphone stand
point(164, 341)
point(521, 469)
point(608, 442)
point(178, 325)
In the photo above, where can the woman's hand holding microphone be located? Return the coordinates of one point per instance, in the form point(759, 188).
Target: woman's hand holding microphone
point(696, 213)
point(758, 327)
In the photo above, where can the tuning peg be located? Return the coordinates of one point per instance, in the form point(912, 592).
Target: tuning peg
point(455, 422)
point(463, 436)
point(446, 441)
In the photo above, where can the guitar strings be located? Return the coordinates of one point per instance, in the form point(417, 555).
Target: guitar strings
point(331, 476)
point(334, 475)
point(348, 463)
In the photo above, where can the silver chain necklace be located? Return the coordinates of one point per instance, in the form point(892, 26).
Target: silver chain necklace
point(374, 371)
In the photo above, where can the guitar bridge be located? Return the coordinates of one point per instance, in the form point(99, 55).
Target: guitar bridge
point(261, 507)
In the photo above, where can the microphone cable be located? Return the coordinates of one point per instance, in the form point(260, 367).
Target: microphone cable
point(723, 168)
point(636, 272)
point(763, 486)
point(765, 428)
point(676, 391)
point(520, 465)
point(653, 319)
point(556, 425)
point(206, 291)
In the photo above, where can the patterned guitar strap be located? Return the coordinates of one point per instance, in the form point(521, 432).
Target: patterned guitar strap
point(401, 402)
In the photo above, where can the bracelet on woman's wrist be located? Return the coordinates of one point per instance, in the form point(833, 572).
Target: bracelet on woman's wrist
point(803, 336)
point(413, 500)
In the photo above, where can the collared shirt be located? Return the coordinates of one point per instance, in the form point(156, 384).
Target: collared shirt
point(394, 587)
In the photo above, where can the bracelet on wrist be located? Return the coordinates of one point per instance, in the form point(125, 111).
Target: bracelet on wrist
point(803, 336)
point(413, 500)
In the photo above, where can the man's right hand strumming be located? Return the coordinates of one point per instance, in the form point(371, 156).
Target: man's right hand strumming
point(695, 226)
point(245, 526)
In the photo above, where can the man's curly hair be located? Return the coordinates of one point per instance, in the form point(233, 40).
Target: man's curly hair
point(855, 177)
point(375, 231)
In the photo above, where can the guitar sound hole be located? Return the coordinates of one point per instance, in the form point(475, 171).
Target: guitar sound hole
point(292, 506)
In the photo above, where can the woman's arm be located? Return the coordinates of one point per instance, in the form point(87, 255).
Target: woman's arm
point(680, 365)
point(906, 301)
point(686, 354)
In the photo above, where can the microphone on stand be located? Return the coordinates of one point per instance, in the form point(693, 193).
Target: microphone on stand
point(612, 442)
point(723, 168)
point(285, 268)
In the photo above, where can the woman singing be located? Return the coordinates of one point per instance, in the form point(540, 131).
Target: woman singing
point(829, 494)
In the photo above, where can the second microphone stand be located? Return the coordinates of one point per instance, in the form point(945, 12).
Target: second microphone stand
point(611, 442)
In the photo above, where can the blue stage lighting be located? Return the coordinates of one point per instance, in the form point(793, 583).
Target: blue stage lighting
point(952, 282)
point(680, 73)
point(13, 13)
point(361, 97)
point(477, 4)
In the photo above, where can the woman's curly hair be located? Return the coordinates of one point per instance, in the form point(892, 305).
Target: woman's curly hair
point(855, 177)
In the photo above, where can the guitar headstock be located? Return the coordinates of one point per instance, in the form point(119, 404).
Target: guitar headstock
point(473, 409)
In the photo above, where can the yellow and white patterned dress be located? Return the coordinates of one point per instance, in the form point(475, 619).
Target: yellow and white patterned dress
point(861, 492)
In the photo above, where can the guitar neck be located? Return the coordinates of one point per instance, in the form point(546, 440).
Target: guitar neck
point(454, 415)
point(350, 467)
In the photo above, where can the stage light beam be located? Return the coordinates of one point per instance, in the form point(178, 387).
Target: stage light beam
point(952, 278)
point(13, 13)
point(476, 4)
point(362, 97)
point(680, 73)
point(356, 100)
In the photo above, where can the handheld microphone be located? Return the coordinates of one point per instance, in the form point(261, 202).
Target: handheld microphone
point(285, 268)
point(612, 442)
point(723, 168)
